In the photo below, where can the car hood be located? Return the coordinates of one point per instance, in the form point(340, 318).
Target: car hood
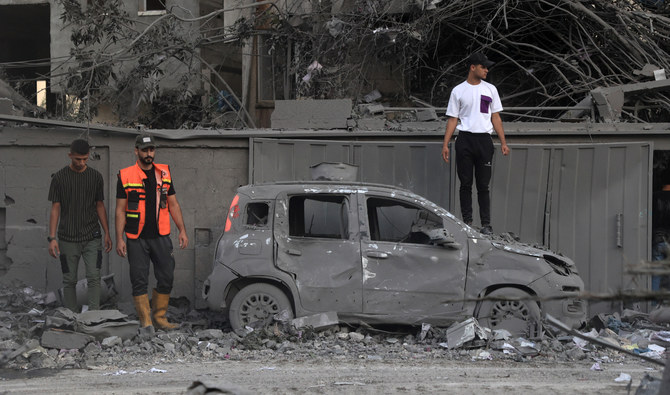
point(507, 242)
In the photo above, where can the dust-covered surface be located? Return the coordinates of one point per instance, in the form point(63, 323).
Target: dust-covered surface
point(337, 359)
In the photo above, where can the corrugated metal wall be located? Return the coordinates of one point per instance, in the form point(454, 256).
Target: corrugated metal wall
point(588, 201)
point(417, 166)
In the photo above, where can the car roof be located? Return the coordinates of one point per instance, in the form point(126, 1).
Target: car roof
point(271, 189)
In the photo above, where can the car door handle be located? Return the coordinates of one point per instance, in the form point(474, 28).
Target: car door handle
point(377, 254)
point(292, 251)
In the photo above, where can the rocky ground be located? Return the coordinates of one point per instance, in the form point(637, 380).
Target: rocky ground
point(392, 353)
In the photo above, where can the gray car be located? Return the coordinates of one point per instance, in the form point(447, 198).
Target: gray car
point(381, 255)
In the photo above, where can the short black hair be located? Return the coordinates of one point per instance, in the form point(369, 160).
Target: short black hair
point(80, 147)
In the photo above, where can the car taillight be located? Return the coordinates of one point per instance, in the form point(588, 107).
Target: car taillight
point(233, 212)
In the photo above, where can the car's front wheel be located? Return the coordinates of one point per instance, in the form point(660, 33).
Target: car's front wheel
point(520, 315)
point(256, 305)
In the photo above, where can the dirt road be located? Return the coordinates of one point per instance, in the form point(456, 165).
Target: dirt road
point(333, 376)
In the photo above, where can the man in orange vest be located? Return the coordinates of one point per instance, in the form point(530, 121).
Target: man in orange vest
point(145, 200)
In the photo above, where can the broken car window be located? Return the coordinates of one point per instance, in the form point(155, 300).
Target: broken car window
point(396, 221)
point(257, 214)
point(318, 216)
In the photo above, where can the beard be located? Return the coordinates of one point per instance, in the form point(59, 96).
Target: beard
point(148, 160)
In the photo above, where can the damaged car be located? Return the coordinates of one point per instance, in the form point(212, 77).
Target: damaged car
point(378, 254)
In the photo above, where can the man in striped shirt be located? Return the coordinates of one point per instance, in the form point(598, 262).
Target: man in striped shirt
point(77, 211)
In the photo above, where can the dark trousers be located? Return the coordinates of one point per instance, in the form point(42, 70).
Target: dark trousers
point(474, 154)
point(141, 252)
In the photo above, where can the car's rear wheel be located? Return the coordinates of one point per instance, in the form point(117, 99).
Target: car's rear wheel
point(519, 316)
point(256, 305)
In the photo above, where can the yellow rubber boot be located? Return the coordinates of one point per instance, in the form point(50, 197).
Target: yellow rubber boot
point(159, 306)
point(143, 309)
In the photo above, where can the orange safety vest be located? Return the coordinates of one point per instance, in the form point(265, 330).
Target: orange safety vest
point(132, 179)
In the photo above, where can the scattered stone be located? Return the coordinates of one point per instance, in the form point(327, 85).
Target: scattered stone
point(209, 334)
point(316, 321)
point(146, 333)
point(111, 341)
point(576, 354)
point(356, 337)
point(426, 114)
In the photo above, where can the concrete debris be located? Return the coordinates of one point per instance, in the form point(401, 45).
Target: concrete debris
point(372, 96)
point(467, 331)
point(371, 109)
point(311, 114)
point(56, 343)
point(660, 315)
point(426, 114)
point(316, 321)
point(64, 339)
point(111, 341)
point(98, 323)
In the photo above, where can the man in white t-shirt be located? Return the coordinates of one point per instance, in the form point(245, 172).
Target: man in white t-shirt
point(474, 107)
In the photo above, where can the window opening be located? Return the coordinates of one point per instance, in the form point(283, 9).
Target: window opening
point(396, 221)
point(151, 7)
point(257, 214)
point(318, 216)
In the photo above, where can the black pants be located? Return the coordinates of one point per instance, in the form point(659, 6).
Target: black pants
point(141, 252)
point(474, 154)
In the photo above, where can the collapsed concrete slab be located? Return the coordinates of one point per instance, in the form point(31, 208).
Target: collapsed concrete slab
point(311, 114)
point(65, 340)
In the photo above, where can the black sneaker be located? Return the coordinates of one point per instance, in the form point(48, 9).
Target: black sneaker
point(486, 230)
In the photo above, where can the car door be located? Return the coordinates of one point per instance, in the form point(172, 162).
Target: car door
point(403, 274)
point(318, 242)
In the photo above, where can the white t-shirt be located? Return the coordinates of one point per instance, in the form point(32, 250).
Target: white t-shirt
point(473, 106)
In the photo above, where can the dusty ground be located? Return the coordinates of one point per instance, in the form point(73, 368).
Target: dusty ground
point(332, 376)
point(334, 360)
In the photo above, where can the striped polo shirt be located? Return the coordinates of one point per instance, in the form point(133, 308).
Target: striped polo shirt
point(78, 194)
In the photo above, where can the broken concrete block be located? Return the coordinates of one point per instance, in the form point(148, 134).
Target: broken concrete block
point(111, 341)
point(147, 332)
point(371, 108)
point(311, 114)
point(372, 96)
point(426, 114)
point(208, 334)
point(56, 338)
point(356, 337)
point(371, 123)
point(316, 321)
point(660, 315)
point(463, 332)
point(28, 348)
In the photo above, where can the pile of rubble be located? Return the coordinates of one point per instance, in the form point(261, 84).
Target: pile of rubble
point(33, 336)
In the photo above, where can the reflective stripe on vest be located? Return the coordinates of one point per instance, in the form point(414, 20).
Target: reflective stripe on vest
point(132, 179)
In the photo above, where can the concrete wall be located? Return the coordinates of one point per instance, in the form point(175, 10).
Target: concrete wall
point(206, 173)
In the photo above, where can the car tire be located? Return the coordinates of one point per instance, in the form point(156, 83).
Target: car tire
point(521, 318)
point(256, 305)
